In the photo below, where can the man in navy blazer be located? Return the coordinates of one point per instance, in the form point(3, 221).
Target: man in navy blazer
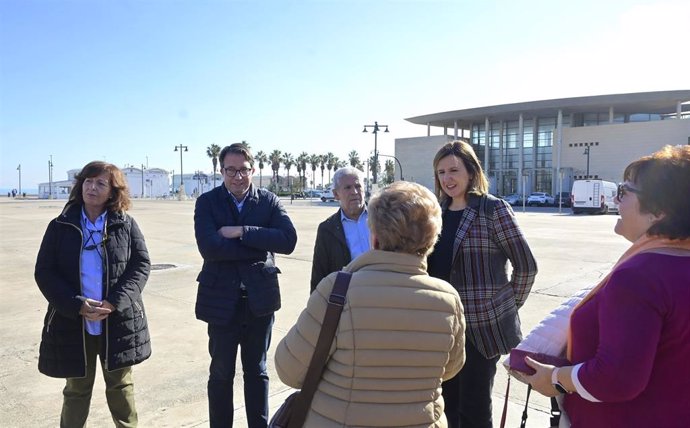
point(238, 229)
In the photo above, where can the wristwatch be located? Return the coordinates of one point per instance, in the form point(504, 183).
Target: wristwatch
point(556, 384)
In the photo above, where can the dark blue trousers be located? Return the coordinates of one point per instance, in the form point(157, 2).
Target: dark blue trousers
point(467, 396)
point(253, 336)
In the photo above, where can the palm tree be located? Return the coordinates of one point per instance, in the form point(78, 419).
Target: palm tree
point(336, 164)
point(213, 151)
point(389, 168)
point(274, 158)
point(315, 161)
point(261, 158)
point(373, 167)
point(330, 157)
point(302, 166)
point(288, 160)
point(354, 159)
point(322, 161)
point(298, 165)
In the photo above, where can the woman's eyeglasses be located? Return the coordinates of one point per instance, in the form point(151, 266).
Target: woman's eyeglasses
point(232, 172)
point(624, 188)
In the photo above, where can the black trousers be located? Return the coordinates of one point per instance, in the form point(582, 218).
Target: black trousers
point(467, 396)
point(252, 335)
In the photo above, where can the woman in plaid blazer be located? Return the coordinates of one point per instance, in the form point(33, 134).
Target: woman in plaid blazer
point(479, 237)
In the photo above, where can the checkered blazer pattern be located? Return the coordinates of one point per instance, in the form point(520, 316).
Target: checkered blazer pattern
point(487, 238)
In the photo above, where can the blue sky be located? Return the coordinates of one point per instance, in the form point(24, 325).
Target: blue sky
point(127, 81)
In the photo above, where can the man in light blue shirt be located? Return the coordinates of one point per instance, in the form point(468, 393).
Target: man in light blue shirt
point(344, 235)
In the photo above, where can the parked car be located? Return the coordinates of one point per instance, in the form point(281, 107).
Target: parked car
point(540, 198)
point(513, 199)
point(327, 196)
point(298, 195)
point(312, 193)
point(563, 198)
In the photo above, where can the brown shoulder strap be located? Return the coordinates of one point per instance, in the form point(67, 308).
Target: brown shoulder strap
point(318, 361)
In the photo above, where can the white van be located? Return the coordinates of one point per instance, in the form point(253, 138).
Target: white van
point(327, 195)
point(594, 196)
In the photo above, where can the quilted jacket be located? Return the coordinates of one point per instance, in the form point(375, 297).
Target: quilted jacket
point(57, 273)
point(401, 333)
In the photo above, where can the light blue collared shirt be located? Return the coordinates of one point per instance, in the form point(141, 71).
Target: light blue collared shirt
point(238, 204)
point(92, 263)
point(356, 233)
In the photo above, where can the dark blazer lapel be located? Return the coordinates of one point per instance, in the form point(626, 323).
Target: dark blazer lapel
point(337, 225)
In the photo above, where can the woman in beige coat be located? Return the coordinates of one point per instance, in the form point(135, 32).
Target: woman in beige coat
point(401, 332)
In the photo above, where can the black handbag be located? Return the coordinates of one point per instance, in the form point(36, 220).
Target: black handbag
point(293, 411)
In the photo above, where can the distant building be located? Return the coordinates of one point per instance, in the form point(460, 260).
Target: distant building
point(195, 184)
point(153, 184)
point(58, 189)
point(545, 145)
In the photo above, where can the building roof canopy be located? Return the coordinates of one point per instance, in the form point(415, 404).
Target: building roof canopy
point(661, 102)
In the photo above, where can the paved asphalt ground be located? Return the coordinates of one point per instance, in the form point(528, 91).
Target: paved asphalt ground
point(571, 251)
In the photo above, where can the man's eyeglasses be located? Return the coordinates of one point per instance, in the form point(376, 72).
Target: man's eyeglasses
point(232, 172)
point(624, 188)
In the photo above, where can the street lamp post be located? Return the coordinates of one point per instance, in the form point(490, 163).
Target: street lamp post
point(399, 165)
point(180, 194)
point(50, 178)
point(142, 181)
point(375, 127)
point(586, 152)
point(197, 174)
point(19, 168)
point(525, 174)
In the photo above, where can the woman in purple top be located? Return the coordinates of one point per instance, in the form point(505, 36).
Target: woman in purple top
point(629, 338)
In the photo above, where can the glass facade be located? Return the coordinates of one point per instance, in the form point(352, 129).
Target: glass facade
point(504, 156)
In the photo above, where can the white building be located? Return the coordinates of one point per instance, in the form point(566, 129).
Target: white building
point(545, 145)
point(195, 184)
point(153, 183)
point(58, 189)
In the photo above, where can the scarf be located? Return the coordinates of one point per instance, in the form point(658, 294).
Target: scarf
point(645, 243)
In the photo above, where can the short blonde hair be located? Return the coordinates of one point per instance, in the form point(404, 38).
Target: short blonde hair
point(405, 218)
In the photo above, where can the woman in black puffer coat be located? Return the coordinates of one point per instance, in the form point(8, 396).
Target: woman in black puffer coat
point(92, 267)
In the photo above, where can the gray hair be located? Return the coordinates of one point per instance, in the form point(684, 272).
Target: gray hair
point(344, 172)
